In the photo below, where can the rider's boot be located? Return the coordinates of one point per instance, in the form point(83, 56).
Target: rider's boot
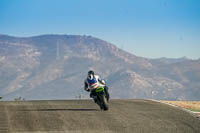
point(95, 100)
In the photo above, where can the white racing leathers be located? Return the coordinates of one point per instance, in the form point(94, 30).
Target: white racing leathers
point(94, 83)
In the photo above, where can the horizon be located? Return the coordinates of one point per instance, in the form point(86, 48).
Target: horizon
point(183, 57)
point(147, 28)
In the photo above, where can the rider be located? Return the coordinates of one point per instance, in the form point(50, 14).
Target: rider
point(92, 82)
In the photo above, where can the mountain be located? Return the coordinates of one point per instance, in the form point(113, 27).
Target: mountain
point(55, 66)
point(165, 60)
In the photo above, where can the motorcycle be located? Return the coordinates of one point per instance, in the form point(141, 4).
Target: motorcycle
point(100, 98)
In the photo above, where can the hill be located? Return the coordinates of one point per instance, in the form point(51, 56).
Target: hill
point(55, 66)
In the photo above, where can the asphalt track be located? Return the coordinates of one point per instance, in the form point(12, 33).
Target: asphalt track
point(77, 116)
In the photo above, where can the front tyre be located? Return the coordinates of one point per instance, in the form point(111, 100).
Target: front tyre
point(104, 103)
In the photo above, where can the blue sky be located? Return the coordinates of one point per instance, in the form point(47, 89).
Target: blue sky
point(148, 28)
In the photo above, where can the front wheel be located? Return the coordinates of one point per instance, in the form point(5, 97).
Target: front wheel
point(105, 103)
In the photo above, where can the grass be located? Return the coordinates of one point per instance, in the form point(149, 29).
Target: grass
point(190, 105)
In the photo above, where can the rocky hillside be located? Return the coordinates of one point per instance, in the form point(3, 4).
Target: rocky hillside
point(55, 66)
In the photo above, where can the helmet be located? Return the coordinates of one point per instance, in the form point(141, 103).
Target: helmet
point(90, 74)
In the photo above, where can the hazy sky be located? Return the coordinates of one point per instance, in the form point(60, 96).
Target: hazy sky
point(148, 28)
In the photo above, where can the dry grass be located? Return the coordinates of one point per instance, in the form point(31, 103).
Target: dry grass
point(190, 105)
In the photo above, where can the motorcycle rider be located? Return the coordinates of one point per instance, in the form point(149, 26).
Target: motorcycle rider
point(92, 82)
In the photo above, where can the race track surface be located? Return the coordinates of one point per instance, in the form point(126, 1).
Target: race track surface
point(77, 116)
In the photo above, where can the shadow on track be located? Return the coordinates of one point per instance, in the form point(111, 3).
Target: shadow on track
point(67, 110)
point(60, 110)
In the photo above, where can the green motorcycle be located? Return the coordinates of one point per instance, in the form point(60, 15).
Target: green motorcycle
point(100, 98)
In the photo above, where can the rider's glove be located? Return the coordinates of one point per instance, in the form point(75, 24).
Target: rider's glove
point(87, 89)
point(103, 82)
